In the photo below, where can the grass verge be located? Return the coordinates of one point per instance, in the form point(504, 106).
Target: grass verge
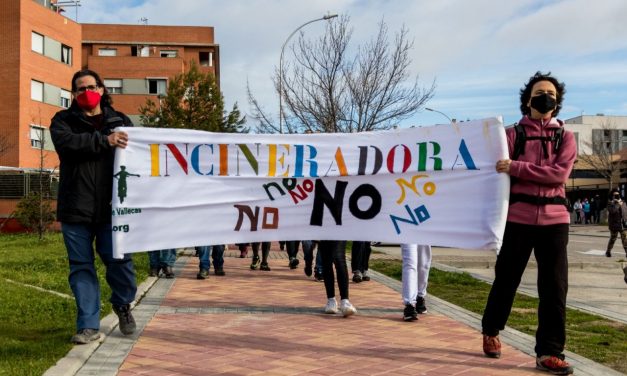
point(36, 326)
point(596, 338)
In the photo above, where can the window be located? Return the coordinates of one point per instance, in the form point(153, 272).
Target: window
point(114, 86)
point(133, 50)
point(168, 53)
point(36, 136)
point(107, 52)
point(144, 51)
point(65, 99)
point(156, 86)
point(37, 42)
point(206, 59)
point(66, 54)
point(37, 91)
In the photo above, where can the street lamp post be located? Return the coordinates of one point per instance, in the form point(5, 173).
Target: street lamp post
point(327, 17)
point(440, 112)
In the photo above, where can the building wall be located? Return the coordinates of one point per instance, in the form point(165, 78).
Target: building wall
point(584, 125)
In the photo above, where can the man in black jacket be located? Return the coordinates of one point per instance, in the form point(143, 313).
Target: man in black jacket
point(85, 140)
point(616, 219)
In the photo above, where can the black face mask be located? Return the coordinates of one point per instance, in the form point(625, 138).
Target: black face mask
point(543, 103)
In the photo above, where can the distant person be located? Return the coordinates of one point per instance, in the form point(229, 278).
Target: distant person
point(597, 209)
point(261, 263)
point(84, 137)
point(616, 221)
point(360, 259)
point(415, 277)
point(162, 260)
point(578, 208)
point(537, 220)
point(586, 211)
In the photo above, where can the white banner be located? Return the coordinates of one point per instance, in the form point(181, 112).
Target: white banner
point(432, 185)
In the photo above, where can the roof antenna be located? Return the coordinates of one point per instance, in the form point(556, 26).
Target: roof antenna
point(144, 20)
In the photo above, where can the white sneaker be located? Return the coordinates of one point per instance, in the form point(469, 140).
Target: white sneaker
point(331, 306)
point(347, 308)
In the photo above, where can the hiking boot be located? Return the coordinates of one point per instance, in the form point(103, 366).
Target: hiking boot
point(127, 321)
point(294, 263)
point(85, 336)
point(553, 365)
point(255, 263)
point(357, 276)
point(409, 313)
point(154, 272)
point(608, 254)
point(365, 276)
point(347, 308)
point(308, 269)
point(331, 306)
point(491, 346)
point(202, 274)
point(420, 305)
point(167, 270)
point(219, 272)
point(264, 266)
point(318, 277)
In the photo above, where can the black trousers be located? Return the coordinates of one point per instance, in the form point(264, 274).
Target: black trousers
point(549, 244)
point(333, 252)
point(265, 251)
point(292, 248)
point(360, 256)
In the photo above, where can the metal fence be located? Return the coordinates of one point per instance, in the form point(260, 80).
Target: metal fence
point(20, 184)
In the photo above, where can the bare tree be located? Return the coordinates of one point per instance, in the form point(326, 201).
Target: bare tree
point(326, 90)
point(604, 147)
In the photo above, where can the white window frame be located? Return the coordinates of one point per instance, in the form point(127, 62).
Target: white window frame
point(37, 42)
point(37, 90)
point(66, 99)
point(66, 54)
point(209, 62)
point(168, 53)
point(113, 85)
point(36, 136)
point(162, 85)
point(107, 52)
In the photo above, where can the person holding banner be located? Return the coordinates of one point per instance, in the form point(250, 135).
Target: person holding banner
point(265, 252)
point(217, 254)
point(162, 260)
point(85, 139)
point(415, 276)
point(542, 155)
point(334, 254)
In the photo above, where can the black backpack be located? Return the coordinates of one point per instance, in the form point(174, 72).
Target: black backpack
point(521, 140)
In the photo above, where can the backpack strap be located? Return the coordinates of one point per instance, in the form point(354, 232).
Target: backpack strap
point(519, 144)
point(521, 139)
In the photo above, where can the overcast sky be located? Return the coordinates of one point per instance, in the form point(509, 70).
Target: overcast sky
point(479, 52)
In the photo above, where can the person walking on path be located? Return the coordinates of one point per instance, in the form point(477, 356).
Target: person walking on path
point(360, 258)
point(578, 211)
point(162, 260)
point(308, 249)
point(217, 254)
point(265, 252)
point(586, 211)
point(334, 254)
point(84, 137)
point(616, 220)
point(541, 159)
point(292, 252)
point(415, 277)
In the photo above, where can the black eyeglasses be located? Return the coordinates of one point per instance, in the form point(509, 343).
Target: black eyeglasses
point(88, 87)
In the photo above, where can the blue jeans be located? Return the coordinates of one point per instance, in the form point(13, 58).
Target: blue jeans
point(164, 257)
point(217, 254)
point(120, 274)
point(308, 248)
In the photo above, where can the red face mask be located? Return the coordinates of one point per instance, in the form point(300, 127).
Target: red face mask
point(88, 100)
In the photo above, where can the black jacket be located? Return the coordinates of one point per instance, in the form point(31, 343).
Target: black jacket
point(86, 172)
point(616, 215)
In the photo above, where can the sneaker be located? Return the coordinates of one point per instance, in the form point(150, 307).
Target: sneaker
point(553, 365)
point(294, 263)
point(154, 272)
point(409, 313)
point(331, 306)
point(85, 336)
point(608, 254)
point(492, 346)
point(127, 321)
point(365, 276)
point(264, 266)
point(357, 276)
point(219, 272)
point(255, 263)
point(347, 308)
point(318, 277)
point(167, 270)
point(202, 274)
point(420, 305)
point(308, 269)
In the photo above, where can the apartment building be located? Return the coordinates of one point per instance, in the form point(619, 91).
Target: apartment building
point(41, 50)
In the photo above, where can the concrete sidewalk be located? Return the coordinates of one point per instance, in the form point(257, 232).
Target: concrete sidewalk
point(271, 323)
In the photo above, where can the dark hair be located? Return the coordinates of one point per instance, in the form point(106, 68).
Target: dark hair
point(525, 92)
point(106, 98)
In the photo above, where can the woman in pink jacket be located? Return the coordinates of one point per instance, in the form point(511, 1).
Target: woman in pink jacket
point(539, 165)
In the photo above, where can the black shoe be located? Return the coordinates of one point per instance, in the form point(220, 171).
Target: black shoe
point(255, 263)
point(127, 321)
point(420, 305)
point(85, 336)
point(219, 272)
point(357, 277)
point(265, 267)
point(318, 277)
point(154, 272)
point(294, 263)
point(308, 269)
point(202, 274)
point(608, 254)
point(409, 313)
point(167, 270)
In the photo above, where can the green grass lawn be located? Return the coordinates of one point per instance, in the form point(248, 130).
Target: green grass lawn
point(590, 336)
point(36, 326)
